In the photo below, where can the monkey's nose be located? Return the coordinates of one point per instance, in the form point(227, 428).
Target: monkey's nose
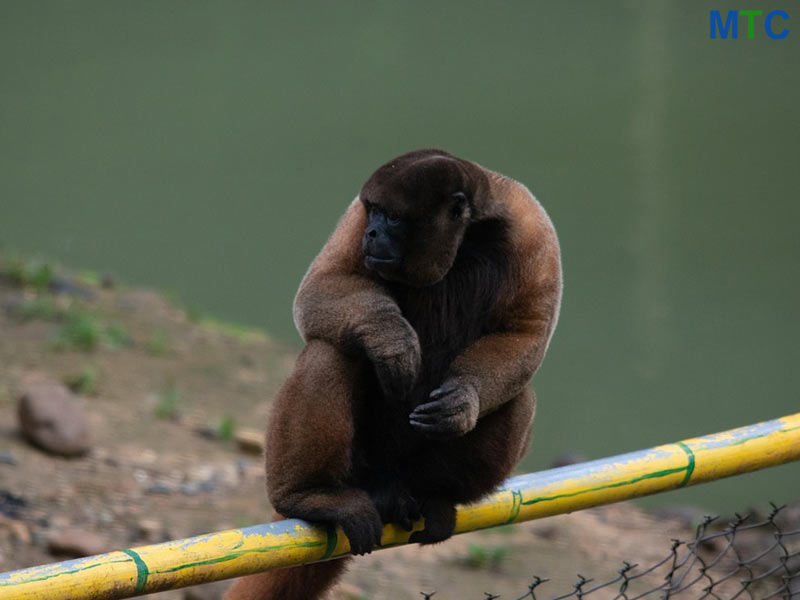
point(372, 233)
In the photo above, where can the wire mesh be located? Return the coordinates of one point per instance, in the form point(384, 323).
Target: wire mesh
point(749, 557)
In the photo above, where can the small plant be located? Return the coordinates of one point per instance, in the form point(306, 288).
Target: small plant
point(116, 335)
point(479, 557)
point(80, 330)
point(167, 406)
point(242, 332)
point(157, 343)
point(89, 278)
point(34, 273)
point(43, 308)
point(84, 382)
point(226, 427)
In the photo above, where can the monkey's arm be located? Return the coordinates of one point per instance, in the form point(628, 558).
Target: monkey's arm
point(338, 302)
point(496, 367)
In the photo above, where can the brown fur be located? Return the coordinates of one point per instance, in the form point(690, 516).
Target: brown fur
point(411, 395)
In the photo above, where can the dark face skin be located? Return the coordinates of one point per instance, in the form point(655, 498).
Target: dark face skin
point(418, 208)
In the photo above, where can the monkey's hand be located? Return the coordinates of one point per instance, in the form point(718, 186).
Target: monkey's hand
point(452, 412)
point(392, 346)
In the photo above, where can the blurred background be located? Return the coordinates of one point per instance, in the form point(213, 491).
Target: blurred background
point(207, 149)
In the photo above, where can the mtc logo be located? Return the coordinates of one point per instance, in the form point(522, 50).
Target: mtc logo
point(731, 25)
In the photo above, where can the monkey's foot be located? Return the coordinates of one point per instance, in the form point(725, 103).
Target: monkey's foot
point(362, 528)
point(396, 505)
point(440, 521)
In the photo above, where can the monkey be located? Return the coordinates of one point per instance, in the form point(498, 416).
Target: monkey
point(424, 317)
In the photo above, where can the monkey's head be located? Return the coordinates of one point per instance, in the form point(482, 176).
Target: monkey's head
point(418, 208)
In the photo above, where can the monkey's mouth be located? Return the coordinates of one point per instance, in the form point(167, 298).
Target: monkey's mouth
point(381, 263)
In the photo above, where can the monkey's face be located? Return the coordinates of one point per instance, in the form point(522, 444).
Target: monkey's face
point(418, 208)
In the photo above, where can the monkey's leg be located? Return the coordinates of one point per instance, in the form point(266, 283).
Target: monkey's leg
point(294, 583)
point(301, 583)
point(309, 462)
point(395, 503)
point(310, 446)
point(467, 468)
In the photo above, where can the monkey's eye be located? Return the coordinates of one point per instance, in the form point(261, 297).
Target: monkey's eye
point(459, 202)
point(393, 220)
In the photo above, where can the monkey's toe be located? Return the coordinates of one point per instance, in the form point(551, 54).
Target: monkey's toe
point(440, 522)
point(363, 531)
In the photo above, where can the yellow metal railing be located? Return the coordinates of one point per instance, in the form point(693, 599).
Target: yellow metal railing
point(236, 552)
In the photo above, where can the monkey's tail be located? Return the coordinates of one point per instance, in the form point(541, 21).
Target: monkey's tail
point(306, 582)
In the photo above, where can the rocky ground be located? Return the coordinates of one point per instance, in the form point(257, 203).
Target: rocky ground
point(126, 420)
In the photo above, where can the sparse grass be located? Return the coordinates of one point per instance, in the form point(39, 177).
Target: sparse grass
point(236, 330)
point(80, 330)
point(157, 343)
point(41, 307)
point(168, 401)
point(29, 272)
point(116, 335)
point(226, 427)
point(484, 557)
point(89, 278)
point(83, 382)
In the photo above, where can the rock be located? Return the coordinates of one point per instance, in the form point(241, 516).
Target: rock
point(150, 530)
point(227, 475)
point(7, 458)
point(62, 285)
point(190, 489)
point(347, 591)
point(12, 505)
point(250, 440)
point(206, 486)
point(18, 529)
point(76, 543)
point(52, 418)
point(207, 431)
point(59, 521)
point(208, 591)
point(159, 487)
point(107, 281)
point(12, 305)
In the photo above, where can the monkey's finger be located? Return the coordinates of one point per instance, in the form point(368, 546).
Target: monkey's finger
point(444, 422)
point(428, 407)
point(438, 408)
point(443, 390)
point(424, 427)
point(424, 418)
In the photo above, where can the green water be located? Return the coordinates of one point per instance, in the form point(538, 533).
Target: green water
point(208, 149)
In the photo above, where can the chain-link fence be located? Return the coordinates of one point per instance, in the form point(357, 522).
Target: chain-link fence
point(749, 557)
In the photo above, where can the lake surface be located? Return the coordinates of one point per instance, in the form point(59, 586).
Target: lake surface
point(208, 149)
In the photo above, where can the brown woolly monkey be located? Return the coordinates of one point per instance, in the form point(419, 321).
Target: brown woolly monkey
point(425, 315)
